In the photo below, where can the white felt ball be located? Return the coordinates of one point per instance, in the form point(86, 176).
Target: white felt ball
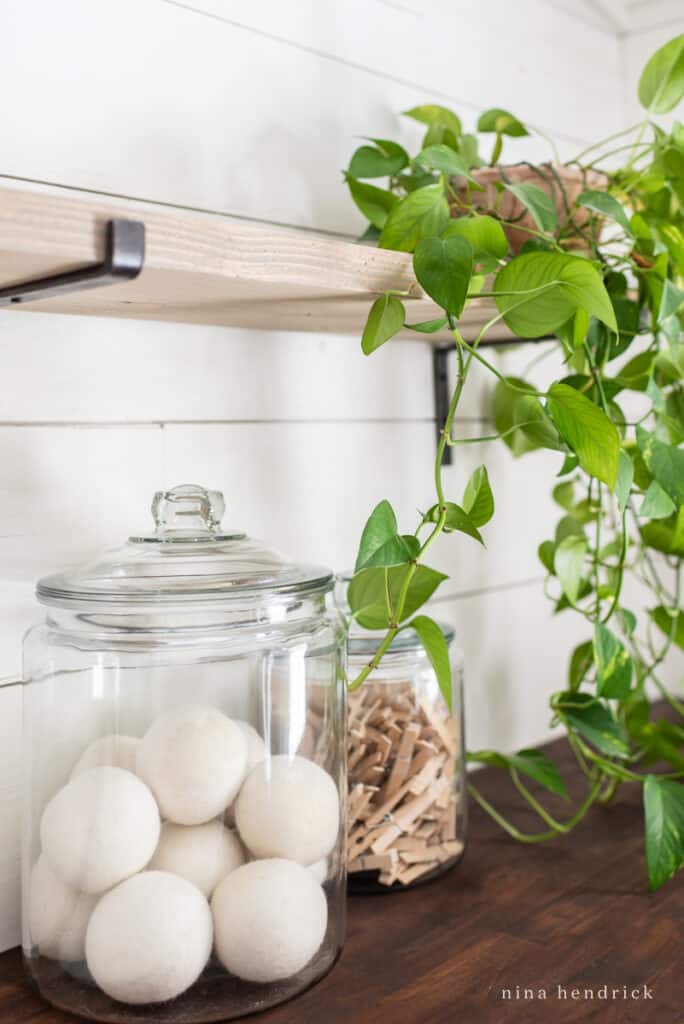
point(270, 918)
point(256, 752)
point(149, 939)
point(319, 869)
point(100, 828)
point(194, 760)
point(118, 751)
point(256, 748)
point(288, 807)
point(57, 914)
point(204, 854)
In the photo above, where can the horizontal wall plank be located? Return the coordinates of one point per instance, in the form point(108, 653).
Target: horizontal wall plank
point(556, 47)
point(642, 17)
point(330, 477)
point(145, 372)
point(304, 486)
point(210, 115)
point(74, 489)
point(307, 491)
point(590, 13)
point(139, 371)
point(65, 495)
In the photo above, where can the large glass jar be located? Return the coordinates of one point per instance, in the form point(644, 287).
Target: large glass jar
point(183, 856)
point(406, 817)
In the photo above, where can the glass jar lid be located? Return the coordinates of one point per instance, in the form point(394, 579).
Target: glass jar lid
point(189, 558)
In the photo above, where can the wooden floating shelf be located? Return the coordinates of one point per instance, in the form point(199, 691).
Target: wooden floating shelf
point(207, 268)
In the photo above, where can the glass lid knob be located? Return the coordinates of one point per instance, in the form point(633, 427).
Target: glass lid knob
point(188, 510)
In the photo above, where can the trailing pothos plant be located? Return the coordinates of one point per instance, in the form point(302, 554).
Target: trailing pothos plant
point(616, 308)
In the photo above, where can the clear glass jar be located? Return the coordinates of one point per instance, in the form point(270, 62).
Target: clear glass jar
point(407, 814)
point(183, 854)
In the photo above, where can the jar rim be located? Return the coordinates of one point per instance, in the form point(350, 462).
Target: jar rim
point(56, 591)
point(406, 641)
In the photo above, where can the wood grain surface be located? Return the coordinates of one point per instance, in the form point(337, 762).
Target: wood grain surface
point(574, 914)
point(206, 268)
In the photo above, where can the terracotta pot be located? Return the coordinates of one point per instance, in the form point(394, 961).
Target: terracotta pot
point(573, 182)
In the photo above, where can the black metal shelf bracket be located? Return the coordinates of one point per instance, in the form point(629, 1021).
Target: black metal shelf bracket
point(124, 259)
point(440, 379)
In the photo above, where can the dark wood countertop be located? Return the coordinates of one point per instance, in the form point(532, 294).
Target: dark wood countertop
point(573, 913)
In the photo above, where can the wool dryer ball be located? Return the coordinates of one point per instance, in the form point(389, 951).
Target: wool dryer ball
point(118, 751)
point(194, 760)
point(288, 807)
point(256, 752)
point(319, 870)
point(270, 918)
point(256, 748)
point(149, 939)
point(204, 854)
point(100, 828)
point(57, 915)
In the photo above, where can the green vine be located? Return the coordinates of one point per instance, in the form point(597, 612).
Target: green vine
point(600, 268)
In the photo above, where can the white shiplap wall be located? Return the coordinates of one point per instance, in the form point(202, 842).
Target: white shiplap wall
point(252, 110)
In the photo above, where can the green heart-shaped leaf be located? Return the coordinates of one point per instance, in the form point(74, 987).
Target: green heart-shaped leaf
point(421, 214)
point(613, 664)
point(443, 268)
point(664, 824)
point(537, 292)
point(478, 500)
point(385, 319)
point(661, 85)
point(434, 642)
point(587, 431)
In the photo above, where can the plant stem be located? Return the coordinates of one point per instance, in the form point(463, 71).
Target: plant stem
point(579, 756)
point(597, 378)
point(609, 138)
point(507, 826)
point(397, 613)
point(375, 661)
point(499, 376)
point(614, 152)
point(453, 441)
point(609, 792)
point(557, 826)
point(620, 571)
